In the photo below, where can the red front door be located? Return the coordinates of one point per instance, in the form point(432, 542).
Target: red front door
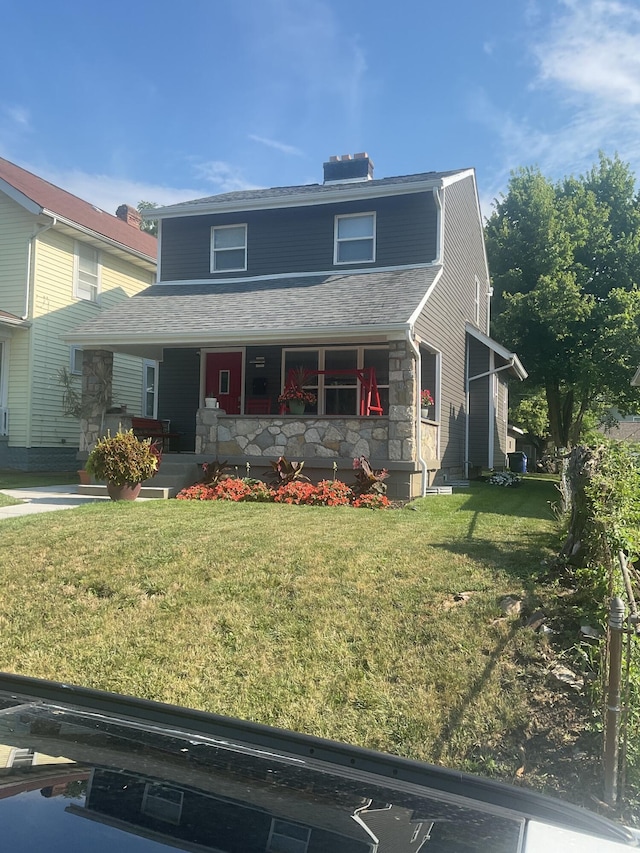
point(224, 380)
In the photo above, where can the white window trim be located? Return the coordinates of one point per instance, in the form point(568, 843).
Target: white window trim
point(149, 362)
point(76, 272)
point(319, 390)
point(213, 250)
point(477, 302)
point(337, 242)
point(73, 353)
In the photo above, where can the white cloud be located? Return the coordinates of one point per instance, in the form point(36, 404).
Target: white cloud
point(224, 176)
point(279, 146)
point(18, 116)
point(107, 192)
point(587, 68)
point(594, 49)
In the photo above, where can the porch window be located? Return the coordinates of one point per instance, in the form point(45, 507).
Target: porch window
point(228, 248)
point(149, 388)
point(86, 272)
point(339, 394)
point(75, 361)
point(355, 238)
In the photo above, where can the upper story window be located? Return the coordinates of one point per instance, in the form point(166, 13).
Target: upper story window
point(86, 273)
point(228, 248)
point(355, 238)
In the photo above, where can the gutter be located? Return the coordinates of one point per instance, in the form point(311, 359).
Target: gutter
point(102, 237)
point(421, 460)
point(30, 253)
point(203, 337)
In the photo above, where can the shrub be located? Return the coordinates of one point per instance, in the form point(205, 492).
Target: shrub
point(123, 459)
point(505, 478)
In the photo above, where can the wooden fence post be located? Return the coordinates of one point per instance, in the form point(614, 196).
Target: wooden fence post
point(612, 715)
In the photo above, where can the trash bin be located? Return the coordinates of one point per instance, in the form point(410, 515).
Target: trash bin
point(518, 462)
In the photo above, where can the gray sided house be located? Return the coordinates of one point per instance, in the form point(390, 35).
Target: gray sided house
point(378, 288)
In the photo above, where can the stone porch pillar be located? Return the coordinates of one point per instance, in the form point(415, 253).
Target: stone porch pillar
point(402, 402)
point(97, 382)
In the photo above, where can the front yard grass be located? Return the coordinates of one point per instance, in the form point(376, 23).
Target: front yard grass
point(338, 622)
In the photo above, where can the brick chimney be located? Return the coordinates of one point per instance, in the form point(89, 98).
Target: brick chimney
point(346, 167)
point(129, 215)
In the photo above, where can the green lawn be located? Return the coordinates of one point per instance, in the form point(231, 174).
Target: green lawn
point(337, 622)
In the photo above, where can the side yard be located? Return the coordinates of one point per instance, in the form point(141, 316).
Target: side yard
point(343, 623)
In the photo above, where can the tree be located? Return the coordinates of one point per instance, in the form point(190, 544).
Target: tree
point(148, 225)
point(565, 260)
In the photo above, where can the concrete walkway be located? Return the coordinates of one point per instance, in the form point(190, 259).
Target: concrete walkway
point(45, 499)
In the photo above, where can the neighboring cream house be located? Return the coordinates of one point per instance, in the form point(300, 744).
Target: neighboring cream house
point(62, 262)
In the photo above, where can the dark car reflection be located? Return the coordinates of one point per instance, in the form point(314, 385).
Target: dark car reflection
point(120, 785)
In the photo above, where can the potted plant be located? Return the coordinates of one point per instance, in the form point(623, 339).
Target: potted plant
point(124, 461)
point(426, 402)
point(294, 393)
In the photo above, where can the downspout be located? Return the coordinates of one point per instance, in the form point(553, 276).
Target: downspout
point(30, 254)
point(421, 461)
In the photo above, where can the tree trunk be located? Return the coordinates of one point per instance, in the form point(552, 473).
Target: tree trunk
point(560, 414)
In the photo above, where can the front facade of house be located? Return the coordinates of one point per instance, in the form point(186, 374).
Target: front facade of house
point(62, 263)
point(350, 279)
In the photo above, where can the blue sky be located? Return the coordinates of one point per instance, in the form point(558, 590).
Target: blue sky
point(166, 101)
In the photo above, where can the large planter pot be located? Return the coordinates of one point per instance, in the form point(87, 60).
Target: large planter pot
point(128, 492)
point(211, 402)
point(296, 407)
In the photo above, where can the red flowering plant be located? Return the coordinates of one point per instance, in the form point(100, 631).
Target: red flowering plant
point(295, 492)
point(374, 501)
point(295, 390)
point(331, 493)
point(425, 398)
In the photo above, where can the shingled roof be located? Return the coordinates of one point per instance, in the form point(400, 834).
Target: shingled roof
point(53, 200)
point(315, 191)
point(288, 305)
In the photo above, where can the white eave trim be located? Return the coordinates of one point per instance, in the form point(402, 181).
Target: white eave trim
point(19, 197)
point(424, 299)
point(503, 352)
point(360, 190)
point(98, 236)
point(205, 337)
point(14, 323)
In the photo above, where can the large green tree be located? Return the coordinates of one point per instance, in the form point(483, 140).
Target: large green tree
point(565, 263)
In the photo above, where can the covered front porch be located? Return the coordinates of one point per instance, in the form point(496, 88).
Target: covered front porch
point(250, 427)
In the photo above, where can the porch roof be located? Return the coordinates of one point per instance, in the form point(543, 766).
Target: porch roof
point(201, 313)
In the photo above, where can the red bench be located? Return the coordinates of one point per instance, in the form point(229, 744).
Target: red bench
point(157, 431)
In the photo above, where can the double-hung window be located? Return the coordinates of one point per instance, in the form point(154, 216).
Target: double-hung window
point(228, 248)
point(355, 238)
point(86, 273)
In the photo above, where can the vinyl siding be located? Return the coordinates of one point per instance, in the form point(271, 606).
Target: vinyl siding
point(179, 392)
point(452, 303)
point(302, 239)
point(500, 439)
point(16, 228)
point(479, 391)
point(18, 387)
point(55, 313)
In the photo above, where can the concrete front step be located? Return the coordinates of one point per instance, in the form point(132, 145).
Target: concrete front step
point(159, 492)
